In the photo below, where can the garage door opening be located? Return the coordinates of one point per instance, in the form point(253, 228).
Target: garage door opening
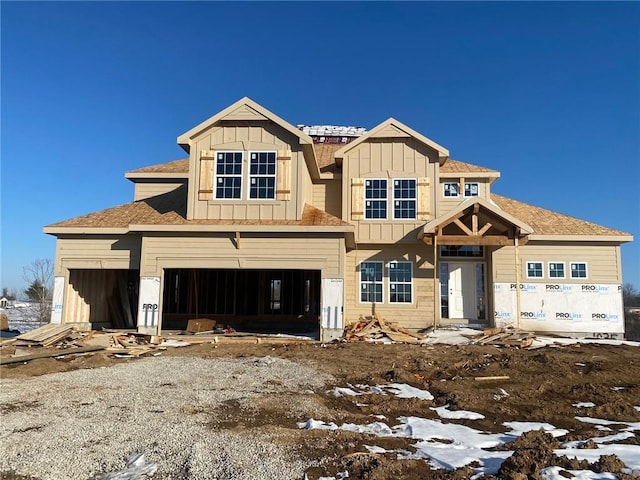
point(103, 298)
point(257, 301)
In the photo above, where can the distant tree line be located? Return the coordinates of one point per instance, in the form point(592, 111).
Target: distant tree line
point(630, 295)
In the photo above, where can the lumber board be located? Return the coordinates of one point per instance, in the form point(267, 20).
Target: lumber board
point(44, 333)
point(49, 354)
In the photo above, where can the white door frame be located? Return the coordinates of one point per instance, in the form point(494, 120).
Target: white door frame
point(462, 289)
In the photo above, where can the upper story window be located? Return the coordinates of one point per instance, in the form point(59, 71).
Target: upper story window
point(375, 197)
point(578, 270)
point(404, 198)
point(262, 175)
point(471, 189)
point(451, 189)
point(228, 175)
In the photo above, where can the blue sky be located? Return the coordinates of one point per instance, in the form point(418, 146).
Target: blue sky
point(546, 93)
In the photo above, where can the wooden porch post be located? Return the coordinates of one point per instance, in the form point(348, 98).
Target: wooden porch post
point(436, 283)
point(517, 264)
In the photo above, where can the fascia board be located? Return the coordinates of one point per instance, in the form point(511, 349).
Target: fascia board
point(85, 230)
point(494, 175)
point(582, 238)
point(242, 228)
point(152, 175)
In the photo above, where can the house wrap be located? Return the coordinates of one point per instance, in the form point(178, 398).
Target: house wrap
point(270, 227)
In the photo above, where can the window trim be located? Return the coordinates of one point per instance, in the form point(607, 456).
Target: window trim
point(464, 193)
point(414, 199)
point(444, 191)
point(216, 175)
point(586, 270)
point(410, 282)
point(534, 261)
point(365, 199)
point(360, 282)
point(259, 175)
point(564, 270)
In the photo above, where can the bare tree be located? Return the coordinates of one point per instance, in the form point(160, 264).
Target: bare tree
point(630, 295)
point(38, 275)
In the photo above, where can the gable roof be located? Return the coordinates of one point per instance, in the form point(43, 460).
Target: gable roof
point(243, 109)
point(174, 169)
point(169, 211)
point(547, 223)
point(394, 128)
point(457, 167)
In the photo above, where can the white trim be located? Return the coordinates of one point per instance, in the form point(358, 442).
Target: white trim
point(364, 194)
point(464, 193)
point(586, 270)
point(259, 175)
point(393, 198)
point(382, 282)
point(235, 175)
point(400, 283)
point(564, 270)
point(451, 196)
point(526, 265)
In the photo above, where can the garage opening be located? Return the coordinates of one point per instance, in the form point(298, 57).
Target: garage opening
point(257, 301)
point(104, 298)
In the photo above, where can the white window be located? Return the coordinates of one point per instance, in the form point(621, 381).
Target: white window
point(451, 189)
point(400, 282)
point(375, 198)
point(371, 282)
point(556, 269)
point(262, 175)
point(578, 270)
point(228, 179)
point(404, 198)
point(471, 189)
point(534, 270)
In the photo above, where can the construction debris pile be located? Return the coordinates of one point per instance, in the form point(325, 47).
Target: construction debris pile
point(375, 327)
point(503, 337)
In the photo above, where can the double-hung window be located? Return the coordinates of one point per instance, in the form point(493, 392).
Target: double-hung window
point(534, 270)
point(375, 197)
point(404, 198)
point(371, 282)
point(471, 189)
point(451, 189)
point(228, 175)
point(578, 270)
point(400, 282)
point(262, 175)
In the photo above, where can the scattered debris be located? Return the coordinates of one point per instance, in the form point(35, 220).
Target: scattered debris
point(493, 377)
point(503, 337)
point(376, 328)
point(137, 469)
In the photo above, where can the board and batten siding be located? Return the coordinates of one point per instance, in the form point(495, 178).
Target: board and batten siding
point(151, 189)
point(416, 315)
point(603, 262)
point(245, 137)
point(256, 251)
point(327, 196)
point(387, 159)
point(97, 252)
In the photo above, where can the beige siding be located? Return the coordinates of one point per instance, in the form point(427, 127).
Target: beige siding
point(389, 159)
point(327, 196)
point(247, 136)
point(97, 252)
point(151, 189)
point(603, 264)
point(420, 313)
point(323, 253)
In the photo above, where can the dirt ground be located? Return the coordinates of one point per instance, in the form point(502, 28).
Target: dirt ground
point(542, 386)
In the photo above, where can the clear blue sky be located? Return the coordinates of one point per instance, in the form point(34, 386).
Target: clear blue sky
point(546, 93)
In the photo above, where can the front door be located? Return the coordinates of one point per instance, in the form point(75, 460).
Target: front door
point(462, 290)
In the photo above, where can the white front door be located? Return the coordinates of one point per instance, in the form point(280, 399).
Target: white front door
point(462, 291)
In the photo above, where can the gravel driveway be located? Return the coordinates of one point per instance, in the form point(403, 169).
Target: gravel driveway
point(84, 423)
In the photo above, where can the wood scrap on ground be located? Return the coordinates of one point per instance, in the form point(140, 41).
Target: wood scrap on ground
point(504, 337)
point(377, 328)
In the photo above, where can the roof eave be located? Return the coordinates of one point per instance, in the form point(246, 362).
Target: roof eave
point(241, 228)
point(623, 238)
point(59, 230)
point(159, 175)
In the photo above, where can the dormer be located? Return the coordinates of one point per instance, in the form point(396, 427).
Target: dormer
point(460, 181)
point(245, 162)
